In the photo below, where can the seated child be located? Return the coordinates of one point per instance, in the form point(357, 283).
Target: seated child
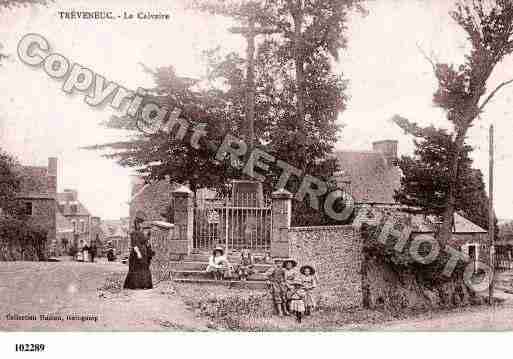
point(218, 264)
point(309, 283)
point(245, 269)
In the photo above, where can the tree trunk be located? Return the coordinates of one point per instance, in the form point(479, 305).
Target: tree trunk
point(297, 15)
point(448, 214)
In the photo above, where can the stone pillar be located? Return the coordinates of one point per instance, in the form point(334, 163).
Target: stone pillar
point(281, 212)
point(181, 242)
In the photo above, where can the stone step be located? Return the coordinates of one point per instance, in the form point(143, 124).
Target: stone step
point(249, 284)
point(203, 257)
point(201, 266)
point(201, 274)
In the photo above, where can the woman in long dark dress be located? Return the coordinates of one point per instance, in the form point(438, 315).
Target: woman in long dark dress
point(139, 274)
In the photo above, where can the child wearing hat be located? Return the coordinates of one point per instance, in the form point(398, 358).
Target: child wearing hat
point(309, 284)
point(276, 280)
point(297, 295)
point(218, 264)
point(291, 274)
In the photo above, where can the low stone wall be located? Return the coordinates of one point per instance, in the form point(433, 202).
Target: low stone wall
point(336, 254)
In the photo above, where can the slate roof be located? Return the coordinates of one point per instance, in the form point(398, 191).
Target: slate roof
point(65, 206)
point(420, 223)
point(463, 225)
point(372, 180)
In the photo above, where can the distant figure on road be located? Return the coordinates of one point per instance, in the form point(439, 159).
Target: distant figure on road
point(111, 256)
point(139, 275)
point(93, 249)
point(85, 251)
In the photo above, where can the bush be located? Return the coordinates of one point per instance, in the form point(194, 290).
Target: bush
point(21, 241)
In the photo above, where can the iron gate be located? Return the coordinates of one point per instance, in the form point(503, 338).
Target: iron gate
point(233, 223)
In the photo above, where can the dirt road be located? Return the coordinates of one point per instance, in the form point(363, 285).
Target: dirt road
point(482, 318)
point(66, 294)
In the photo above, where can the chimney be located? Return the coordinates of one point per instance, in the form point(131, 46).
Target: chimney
point(71, 195)
point(52, 176)
point(388, 148)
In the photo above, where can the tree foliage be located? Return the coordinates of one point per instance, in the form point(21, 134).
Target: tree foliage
point(10, 182)
point(219, 101)
point(425, 181)
point(19, 239)
point(488, 25)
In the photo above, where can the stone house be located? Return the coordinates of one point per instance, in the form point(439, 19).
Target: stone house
point(65, 234)
point(76, 214)
point(116, 232)
point(38, 194)
point(372, 177)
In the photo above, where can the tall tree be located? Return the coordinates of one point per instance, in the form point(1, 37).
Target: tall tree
point(462, 90)
point(310, 33)
point(222, 107)
point(425, 181)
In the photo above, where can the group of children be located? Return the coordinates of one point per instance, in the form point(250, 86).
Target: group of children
point(291, 290)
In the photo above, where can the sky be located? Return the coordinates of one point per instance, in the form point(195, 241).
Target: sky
point(388, 75)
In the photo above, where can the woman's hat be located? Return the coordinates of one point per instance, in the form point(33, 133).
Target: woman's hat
point(289, 260)
point(140, 215)
point(218, 249)
point(302, 269)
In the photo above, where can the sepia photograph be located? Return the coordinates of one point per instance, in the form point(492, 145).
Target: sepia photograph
point(238, 166)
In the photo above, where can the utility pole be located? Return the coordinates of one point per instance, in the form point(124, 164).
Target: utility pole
point(250, 32)
point(491, 218)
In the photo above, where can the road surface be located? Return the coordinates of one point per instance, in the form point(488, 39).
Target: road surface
point(66, 293)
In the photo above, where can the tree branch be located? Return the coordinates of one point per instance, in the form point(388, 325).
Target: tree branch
point(429, 59)
point(492, 94)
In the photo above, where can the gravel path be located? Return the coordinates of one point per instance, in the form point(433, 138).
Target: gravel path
point(65, 289)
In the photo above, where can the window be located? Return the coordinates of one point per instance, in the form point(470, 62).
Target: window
point(82, 226)
point(28, 208)
point(73, 208)
point(74, 223)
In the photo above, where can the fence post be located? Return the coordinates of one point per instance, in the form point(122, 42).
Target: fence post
point(183, 221)
point(281, 215)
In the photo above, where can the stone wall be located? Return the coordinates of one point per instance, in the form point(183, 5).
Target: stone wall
point(336, 254)
point(154, 200)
